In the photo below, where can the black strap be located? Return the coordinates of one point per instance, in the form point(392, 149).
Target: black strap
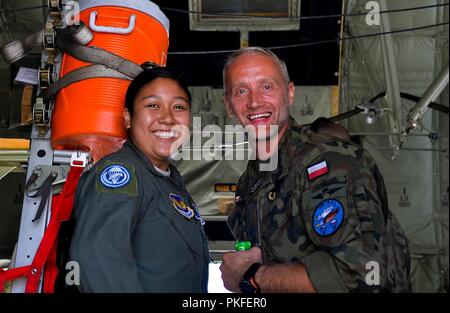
point(44, 191)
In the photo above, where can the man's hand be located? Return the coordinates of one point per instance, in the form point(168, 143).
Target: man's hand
point(234, 265)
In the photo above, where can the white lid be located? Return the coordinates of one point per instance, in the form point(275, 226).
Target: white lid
point(145, 6)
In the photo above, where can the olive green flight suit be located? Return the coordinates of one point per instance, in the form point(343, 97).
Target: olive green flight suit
point(137, 230)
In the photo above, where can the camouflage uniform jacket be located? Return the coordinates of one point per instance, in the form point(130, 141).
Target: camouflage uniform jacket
point(338, 249)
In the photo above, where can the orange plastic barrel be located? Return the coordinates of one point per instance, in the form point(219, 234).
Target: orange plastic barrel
point(88, 115)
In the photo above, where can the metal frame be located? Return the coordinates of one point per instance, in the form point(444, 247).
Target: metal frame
point(248, 24)
point(432, 92)
point(41, 154)
point(30, 234)
point(390, 70)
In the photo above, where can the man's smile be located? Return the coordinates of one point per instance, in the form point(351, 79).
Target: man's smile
point(259, 116)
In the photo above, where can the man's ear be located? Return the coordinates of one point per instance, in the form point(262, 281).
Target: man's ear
point(127, 118)
point(291, 93)
point(226, 101)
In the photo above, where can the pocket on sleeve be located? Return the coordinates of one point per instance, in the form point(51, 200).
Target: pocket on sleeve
point(329, 211)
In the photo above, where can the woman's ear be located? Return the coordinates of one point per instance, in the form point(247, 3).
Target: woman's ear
point(127, 118)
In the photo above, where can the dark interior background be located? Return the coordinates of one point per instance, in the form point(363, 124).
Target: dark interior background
point(311, 65)
point(308, 66)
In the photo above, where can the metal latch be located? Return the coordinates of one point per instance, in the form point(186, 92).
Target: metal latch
point(46, 76)
point(42, 172)
point(55, 8)
point(79, 159)
point(49, 40)
point(41, 115)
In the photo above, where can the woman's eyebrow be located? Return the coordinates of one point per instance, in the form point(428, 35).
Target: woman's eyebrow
point(150, 96)
point(181, 98)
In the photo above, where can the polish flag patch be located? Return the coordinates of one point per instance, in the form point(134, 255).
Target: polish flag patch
point(317, 170)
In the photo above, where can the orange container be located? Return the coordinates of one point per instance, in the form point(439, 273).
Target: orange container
point(88, 115)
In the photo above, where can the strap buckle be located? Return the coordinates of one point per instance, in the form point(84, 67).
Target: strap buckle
point(42, 113)
point(55, 8)
point(79, 159)
point(46, 76)
point(49, 38)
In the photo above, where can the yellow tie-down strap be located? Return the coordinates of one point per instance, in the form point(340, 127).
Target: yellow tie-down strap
point(14, 144)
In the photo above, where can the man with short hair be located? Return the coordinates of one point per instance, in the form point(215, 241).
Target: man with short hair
point(320, 221)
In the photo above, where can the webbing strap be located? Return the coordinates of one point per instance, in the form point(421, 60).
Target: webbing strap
point(68, 41)
point(17, 49)
point(61, 212)
point(11, 274)
point(82, 73)
point(98, 56)
point(59, 215)
point(104, 63)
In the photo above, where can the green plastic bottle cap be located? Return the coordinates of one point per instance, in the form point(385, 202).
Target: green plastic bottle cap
point(242, 245)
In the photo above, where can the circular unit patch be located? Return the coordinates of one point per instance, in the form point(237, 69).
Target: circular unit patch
point(328, 217)
point(115, 176)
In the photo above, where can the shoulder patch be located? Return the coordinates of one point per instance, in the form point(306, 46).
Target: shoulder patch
point(317, 170)
point(328, 217)
point(116, 177)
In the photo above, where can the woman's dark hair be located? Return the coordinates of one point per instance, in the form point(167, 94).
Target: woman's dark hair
point(148, 76)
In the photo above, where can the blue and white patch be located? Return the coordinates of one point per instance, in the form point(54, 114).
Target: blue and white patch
point(115, 176)
point(197, 214)
point(180, 206)
point(328, 217)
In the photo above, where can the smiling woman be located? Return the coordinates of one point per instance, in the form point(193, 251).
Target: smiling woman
point(158, 115)
point(137, 228)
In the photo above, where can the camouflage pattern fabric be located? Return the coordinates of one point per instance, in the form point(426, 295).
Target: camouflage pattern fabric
point(278, 211)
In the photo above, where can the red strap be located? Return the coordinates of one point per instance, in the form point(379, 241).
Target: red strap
point(61, 211)
point(51, 270)
point(60, 214)
point(11, 274)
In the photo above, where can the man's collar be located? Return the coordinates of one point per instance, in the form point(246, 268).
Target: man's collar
point(286, 149)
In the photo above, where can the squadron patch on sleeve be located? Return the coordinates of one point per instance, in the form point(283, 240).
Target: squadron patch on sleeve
point(115, 176)
point(180, 206)
point(328, 217)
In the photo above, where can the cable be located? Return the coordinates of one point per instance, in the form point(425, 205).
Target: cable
point(346, 115)
point(262, 17)
point(356, 111)
point(342, 116)
point(28, 8)
point(404, 95)
point(301, 17)
point(314, 43)
point(306, 44)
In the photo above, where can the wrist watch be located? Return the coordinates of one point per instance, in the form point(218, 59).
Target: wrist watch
point(248, 283)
